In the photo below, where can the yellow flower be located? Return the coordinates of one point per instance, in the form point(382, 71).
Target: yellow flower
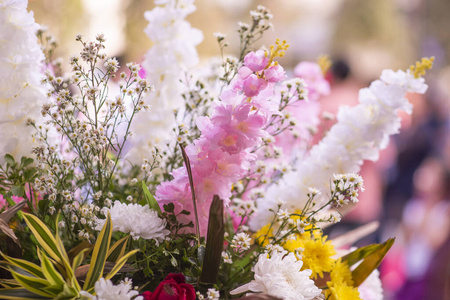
point(262, 236)
point(324, 63)
point(418, 70)
point(316, 255)
point(342, 292)
point(340, 274)
point(341, 283)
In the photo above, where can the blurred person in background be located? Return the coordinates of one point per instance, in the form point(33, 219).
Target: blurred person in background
point(425, 234)
point(420, 147)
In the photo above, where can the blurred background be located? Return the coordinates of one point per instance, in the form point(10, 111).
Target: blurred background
point(408, 189)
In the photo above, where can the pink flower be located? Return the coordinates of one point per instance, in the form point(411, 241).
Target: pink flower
point(253, 85)
point(275, 74)
point(256, 61)
point(222, 155)
point(244, 72)
point(312, 74)
point(3, 201)
point(176, 189)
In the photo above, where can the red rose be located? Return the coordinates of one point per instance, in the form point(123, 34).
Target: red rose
point(172, 288)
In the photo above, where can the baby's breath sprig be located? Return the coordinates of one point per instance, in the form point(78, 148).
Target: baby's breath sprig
point(248, 35)
point(197, 103)
point(88, 122)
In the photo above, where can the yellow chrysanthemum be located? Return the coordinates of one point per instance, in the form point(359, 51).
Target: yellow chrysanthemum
point(262, 236)
point(316, 255)
point(340, 274)
point(342, 292)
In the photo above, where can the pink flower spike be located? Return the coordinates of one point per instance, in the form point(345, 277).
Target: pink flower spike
point(312, 74)
point(253, 85)
point(275, 74)
point(256, 61)
point(244, 72)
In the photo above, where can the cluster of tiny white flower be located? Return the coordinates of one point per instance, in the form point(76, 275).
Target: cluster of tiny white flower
point(241, 242)
point(243, 208)
point(211, 294)
point(226, 257)
point(345, 188)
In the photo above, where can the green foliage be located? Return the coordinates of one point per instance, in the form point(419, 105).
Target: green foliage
point(371, 257)
point(16, 176)
point(55, 278)
point(150, 200)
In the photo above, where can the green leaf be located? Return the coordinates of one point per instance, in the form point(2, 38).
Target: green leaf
point(359, 254)
point(49, 271)
point(371, 262)
point(78, 259)
point(20, 294)
point(79, 248)
point(43, 206)
point(29, 267)
point(241, 263)
point(44, 237)
point(117, 250)
point(119, 264)
point(68, 292)
point(18, 191)
point(174, 262)
point(26, 161)
point(10, 160)
point(151, 201)
point(10, 283)
point(33, 284)
point(170, 207)
point(147, 272)
point(29, 174)
point(99, 255)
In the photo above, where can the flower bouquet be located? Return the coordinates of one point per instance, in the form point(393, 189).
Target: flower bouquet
point(168, 180)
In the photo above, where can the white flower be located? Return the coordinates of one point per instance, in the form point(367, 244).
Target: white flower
point(106, 290)
point(173, 53)
point(371, 288)
point(280, 276)
point(213, 294)
point(226, 257)
point(139, 221)
point(313, 191)
point(21, 92)
point(359, 134)
point(112, 65)
point(241, 242)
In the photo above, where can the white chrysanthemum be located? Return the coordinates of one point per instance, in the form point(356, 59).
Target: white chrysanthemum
point(279, 275)
point(371, 288)
point(106, 290)
point(21, 92)
point(173, 53)
point(138, 220)
point(360, 133)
